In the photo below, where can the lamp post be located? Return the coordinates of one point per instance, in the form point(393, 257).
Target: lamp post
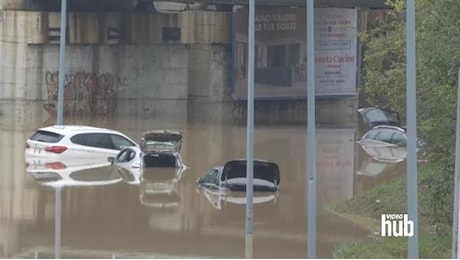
point(412, 203)
point(250, 132)
point(62, 45)
point(311, 138)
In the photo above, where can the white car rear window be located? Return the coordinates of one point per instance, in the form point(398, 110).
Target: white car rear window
point(46, 137)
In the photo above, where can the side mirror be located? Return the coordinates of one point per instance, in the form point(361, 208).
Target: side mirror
point(111, 159)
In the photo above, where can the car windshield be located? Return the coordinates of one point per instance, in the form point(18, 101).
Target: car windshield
point(159, 160)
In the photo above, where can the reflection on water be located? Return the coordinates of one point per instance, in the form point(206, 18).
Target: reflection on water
point(128, 217)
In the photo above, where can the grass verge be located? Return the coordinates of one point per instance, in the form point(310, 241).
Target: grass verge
point(391, 197)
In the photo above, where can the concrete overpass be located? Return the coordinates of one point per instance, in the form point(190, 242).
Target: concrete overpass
point(151, 64)
point(149, 5)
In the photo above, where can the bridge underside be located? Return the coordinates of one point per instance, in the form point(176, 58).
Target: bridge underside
point(148, 5)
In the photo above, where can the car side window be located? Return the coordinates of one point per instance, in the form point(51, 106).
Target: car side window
point(123, 156)
point(399, 139)
point(214, 178)
point(371, 135)
point(100, 140)
point(131, 155)
point(80, 139)
point(120, 142)
point(385, 136)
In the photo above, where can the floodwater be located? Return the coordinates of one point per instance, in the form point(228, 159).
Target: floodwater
point(115, 221)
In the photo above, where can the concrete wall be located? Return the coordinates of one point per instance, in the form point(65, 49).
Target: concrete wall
point(192, 27)
point(328, 112)
point(140, 72)
point(13, 4)
point(148, 74)
point(210, 80)
point(125, 56)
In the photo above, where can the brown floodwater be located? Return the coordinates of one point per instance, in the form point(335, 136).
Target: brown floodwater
point(115, 221)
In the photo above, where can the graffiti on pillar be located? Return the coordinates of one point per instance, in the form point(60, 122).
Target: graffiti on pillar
point(85, 93)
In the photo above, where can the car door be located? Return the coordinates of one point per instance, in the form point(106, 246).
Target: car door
point(123, 163)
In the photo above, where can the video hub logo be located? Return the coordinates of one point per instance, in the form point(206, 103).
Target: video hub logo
point(396, 225)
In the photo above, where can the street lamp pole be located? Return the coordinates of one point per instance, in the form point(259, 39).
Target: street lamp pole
point(62, 46)
point(311, 139)
point(412, 203)
point(250, 132)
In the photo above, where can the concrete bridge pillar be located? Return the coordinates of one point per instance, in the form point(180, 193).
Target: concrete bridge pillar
point(13, 4)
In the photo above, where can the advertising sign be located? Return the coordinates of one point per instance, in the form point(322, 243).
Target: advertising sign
point(281, 52)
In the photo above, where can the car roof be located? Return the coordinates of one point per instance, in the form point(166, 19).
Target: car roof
point(71, 129)
point(363, 109)
point(389, 127)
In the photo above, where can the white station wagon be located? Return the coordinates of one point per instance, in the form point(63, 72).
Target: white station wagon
point(90, 143)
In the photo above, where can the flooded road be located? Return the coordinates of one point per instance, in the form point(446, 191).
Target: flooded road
point(117, 219)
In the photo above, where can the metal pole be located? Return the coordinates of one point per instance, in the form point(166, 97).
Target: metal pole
point(250, 131)
point(60, 107)
point(57, 224)
point(412, 203)
point(455, 226)
point(311, 140)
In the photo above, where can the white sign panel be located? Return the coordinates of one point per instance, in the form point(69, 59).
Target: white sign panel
point(281, 52)
point(336, 48)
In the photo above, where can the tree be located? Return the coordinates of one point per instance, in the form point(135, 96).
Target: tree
point(438, 60)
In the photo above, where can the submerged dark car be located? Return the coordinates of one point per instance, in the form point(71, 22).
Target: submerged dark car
point(232, 177)
point(375, 116)
point(219, 200)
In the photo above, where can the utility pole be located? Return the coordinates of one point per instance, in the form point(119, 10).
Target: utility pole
point(62, 46)
point(57, 222)
point(311, 134)
point(411, 102)
point(250, 132)
point(455, 225)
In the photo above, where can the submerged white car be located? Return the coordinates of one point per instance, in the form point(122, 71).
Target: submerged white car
point(131, 161)
point(76, 141)
point(386, 144)
point(157, 180)
point(232, 177)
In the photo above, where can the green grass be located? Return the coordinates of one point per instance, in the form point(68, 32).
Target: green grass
point(429, 247)
point(391, 197)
